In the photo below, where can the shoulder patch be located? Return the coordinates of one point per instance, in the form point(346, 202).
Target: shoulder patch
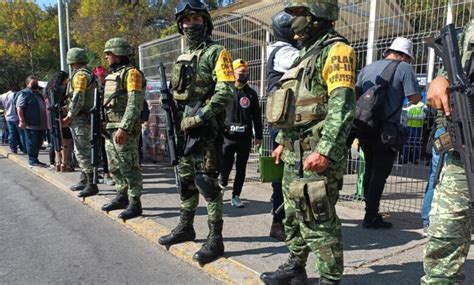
point(224, 71)
point(79, 82)
point(134, 80)
point(340, 67)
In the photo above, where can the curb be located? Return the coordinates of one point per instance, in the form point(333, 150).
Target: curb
point(224, 269)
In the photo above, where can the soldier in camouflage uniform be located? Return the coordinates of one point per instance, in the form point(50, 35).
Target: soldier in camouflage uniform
point(80, 90)
point(312, 141)
point(123, 103)
point(449, 232)
point(203, 81)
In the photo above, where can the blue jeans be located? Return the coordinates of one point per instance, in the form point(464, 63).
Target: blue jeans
point(430, 187)
point(5, 134)
point(17, 136)
point(34, 141)
point(413, 146)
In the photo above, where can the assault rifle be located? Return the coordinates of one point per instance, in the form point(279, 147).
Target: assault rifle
point(171, 114)
point(460, 125)
point(55, 117)
point(96, 135)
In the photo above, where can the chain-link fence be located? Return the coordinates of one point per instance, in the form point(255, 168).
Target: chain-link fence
point(370, 26)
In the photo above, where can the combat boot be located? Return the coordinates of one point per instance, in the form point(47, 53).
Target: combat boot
point(81, 184)
point(119, 202)
point(291, 272)
point(214, 245)
point(184, 231)
point(91, 188)
point(133, 210)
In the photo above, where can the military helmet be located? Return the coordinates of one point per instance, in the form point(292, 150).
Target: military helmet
point(118, 46)
point(320, 9)
point(196, 6)
point(76, 55)
point(281, 26)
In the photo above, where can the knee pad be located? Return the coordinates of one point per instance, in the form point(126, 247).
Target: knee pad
point(207, 186)
point(184, 188)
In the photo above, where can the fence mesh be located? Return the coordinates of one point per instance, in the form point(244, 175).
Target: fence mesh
point(370, 26)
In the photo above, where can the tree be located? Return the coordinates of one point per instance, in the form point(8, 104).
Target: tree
point(94, 23)
point(28, 42)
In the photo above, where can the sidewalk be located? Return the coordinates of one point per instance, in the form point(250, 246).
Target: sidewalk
point(371, 257)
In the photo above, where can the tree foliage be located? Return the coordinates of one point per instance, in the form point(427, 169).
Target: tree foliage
point(28, 43)
point(97, 21)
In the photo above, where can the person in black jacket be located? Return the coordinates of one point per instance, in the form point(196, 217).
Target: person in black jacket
point(242, 115)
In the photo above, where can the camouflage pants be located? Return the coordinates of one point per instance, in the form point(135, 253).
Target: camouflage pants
point(449, 233)
point(203, 161)
point(81, 132)
point(124, 164)
point(323, 238)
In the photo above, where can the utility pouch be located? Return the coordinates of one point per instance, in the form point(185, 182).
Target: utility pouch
point(302, 207)
point(311, 201)
point(278, 108)
point(319, 201)
point(184, 77)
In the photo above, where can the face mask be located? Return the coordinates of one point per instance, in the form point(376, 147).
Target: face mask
point(307, 29)
point(195, 33)
point(244, 78)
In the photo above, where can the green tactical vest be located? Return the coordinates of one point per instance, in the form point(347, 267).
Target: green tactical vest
point(115, 95)
point(89, 94)
point(294, 105)
point(189, 83)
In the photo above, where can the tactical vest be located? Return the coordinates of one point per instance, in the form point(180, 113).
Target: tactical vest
point(188, 82)
point(294, 105)
point(88, 95)
point(115, 95)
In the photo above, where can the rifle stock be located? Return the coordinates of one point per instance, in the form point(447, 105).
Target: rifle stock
point(460, 124)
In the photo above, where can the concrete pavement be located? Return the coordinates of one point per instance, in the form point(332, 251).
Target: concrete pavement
point(371, 257)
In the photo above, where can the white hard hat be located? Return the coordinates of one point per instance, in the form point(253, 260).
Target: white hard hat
point(403, 45)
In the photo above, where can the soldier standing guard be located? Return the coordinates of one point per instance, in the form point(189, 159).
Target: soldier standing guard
point(312, 141)
point(80, 91)
point(123, 103)
point(203, 81)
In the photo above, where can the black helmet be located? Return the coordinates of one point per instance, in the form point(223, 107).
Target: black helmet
point(194, 5)
point(282, 28)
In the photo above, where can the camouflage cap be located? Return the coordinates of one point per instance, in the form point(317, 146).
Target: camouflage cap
point(320, 9)
point(118, 46)
point(76, 55)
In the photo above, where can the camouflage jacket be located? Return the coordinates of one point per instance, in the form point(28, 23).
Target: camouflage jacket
point(124, 111)
point(215, 67)
point(339, 83)
point(80, 90)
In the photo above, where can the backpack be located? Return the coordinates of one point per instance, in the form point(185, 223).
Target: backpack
point(368, 118)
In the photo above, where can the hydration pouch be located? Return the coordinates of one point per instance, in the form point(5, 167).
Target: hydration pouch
point(184, 77)
point(311, 201)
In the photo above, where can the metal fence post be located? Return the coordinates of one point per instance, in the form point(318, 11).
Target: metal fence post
point(371, 35)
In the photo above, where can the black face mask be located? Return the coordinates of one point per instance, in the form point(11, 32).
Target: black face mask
point(196, 34)
point(244, 78)
point(34, 86)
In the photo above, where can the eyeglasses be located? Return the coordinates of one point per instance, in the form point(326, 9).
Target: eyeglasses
point(195, 5)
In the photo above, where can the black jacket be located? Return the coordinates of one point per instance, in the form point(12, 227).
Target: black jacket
point(242, 114)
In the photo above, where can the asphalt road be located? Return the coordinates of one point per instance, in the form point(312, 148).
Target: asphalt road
point(46, 237)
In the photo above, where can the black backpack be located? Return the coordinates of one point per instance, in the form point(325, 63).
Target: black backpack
point(368, 118)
